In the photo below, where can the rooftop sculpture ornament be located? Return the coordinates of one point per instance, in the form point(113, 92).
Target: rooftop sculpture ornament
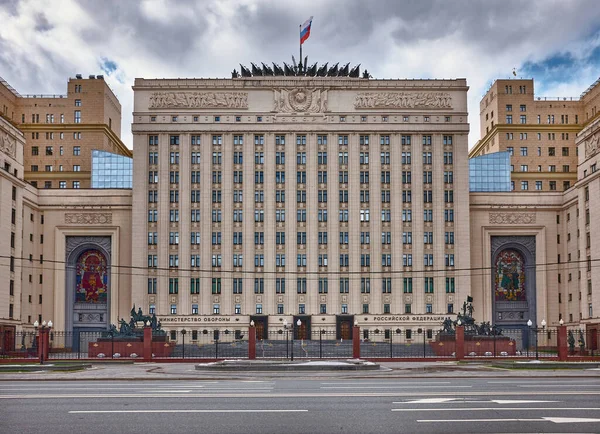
point(300, 68)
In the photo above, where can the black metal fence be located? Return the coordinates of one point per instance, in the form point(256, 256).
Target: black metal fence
point(398, 343)
point(201, 344)
point(286, 344)
point(18, 345)
point(224, 343)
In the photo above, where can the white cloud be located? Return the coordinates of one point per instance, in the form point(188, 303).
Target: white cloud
point(480, 41)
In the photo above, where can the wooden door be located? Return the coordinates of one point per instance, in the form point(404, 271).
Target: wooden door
point(301, 331)
point(260, 330)
point(345, 330)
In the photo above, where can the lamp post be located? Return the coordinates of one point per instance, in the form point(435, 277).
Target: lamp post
point(44, 328)
point(536, 329)
point(298, 323)
point(183, 332)
point(285, 326)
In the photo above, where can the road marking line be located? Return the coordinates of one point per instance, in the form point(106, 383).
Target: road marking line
point(293, 395)
point(430, 401)
point(543, 419)
point(184, 411)
point(478, 420)
point(393, 387)
point(552, 385)
point(516, 401)
point(384, 382)
point(497, 409)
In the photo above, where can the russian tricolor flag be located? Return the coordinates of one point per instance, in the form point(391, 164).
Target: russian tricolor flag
point(305, 30)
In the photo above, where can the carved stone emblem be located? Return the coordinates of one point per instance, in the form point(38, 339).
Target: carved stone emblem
point(88, 218)
point(300, 100)
point(512, 218)
point(592, 146)
point(8, 145)
point(237, 100)
point(369, 100)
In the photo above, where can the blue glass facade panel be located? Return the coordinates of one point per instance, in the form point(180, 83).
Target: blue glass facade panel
point(490, 172)
point(111, 170)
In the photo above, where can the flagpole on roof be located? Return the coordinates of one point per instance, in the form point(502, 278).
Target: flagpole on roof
point(300, 36)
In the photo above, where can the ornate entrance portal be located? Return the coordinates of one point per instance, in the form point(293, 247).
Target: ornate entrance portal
point(513, 282)
point(87, 286)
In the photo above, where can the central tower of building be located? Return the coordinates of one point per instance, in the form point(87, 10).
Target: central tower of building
point(272, 197)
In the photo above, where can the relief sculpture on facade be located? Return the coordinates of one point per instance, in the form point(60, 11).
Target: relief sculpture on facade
point(300, 100)
point(206, 100)
point(368, 100)
point(8, 145)
point(79, 218)
point(512, 218)
point(592, 146)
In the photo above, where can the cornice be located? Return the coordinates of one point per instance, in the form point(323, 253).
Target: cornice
point(103, 128)
point(58, 175)
point(268, 83)
point(562, 128)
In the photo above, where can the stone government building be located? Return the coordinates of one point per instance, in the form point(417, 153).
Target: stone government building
point(331, 199)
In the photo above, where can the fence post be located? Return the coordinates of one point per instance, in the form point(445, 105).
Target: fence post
point(561, 343)
point(356, 342)
point(147, 344)
point(460, 342)
point(424, 343)
point(251, 343)
point(320, 344)
point(391, 344)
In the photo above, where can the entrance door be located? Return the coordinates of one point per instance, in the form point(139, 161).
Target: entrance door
point(260, 330)
point(301, 331)
point(345, 330)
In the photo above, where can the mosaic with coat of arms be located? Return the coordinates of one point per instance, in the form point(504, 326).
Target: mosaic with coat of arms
point(92, 278)
point(510, 277)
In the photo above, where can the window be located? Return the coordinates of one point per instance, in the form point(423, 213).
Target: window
point(523, 151)
point(76, 184)
point(77, 116)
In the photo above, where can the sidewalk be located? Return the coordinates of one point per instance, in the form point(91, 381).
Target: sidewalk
point(187, 371)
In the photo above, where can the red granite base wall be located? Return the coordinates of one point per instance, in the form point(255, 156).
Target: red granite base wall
point(126, 348)
point(479, 346)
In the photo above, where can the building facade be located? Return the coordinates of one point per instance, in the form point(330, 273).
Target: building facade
point(61, 131)
point(330, 200)
point(544, 239)
point(538, 132)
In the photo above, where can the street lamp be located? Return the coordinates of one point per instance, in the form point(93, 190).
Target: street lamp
point(536, 329)
point(561, 322)
point(298, 323)
point(285, 327)
point(183, 332)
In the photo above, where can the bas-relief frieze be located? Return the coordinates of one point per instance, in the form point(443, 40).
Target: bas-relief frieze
point(8, 145)
point(512, 218)
point(381, 100)
point(300, 100)
point(592, 146)
point(88, 218)
point(238, 100)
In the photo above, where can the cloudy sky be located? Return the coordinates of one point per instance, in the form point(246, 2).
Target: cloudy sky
point(43, 42)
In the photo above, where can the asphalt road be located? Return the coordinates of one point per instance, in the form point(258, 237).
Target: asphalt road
point(437, 405)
